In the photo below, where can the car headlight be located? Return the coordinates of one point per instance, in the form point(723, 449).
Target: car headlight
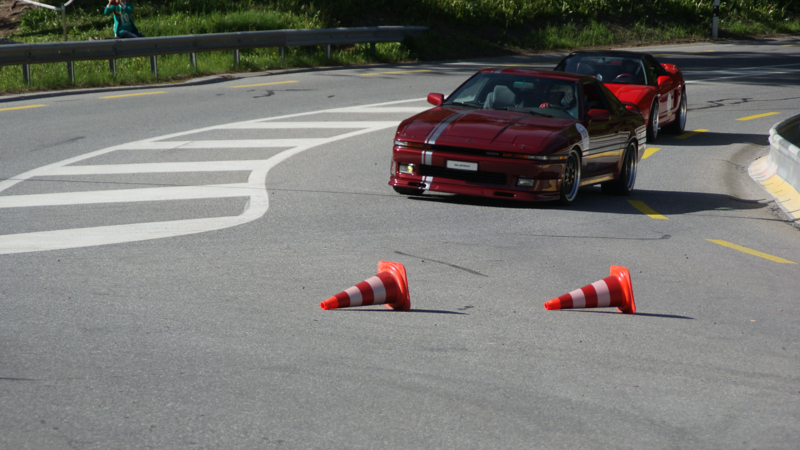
point(399, 143)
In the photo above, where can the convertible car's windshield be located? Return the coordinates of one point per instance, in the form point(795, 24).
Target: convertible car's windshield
point(526, 94)
point(607, 69)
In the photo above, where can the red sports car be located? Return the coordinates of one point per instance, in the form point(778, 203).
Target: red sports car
point(657, 89)
point(520, 134)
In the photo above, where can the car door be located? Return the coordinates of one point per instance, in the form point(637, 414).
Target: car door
point(606, 140)
point(666, 91)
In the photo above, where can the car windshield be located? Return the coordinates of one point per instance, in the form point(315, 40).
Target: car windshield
point(520, 93)
point(619, 69)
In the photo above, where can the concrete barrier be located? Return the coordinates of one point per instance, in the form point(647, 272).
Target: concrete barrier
point(779, 172)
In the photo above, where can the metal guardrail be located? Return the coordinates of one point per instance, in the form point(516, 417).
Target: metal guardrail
point(112, 49)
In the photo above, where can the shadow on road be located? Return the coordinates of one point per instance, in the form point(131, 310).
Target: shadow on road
point(711, 139)
point(591, 199)
point(664, 316)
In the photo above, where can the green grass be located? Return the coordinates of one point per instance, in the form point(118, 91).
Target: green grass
point(458, 28)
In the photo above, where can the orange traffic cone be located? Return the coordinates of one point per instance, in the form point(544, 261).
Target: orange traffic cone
point(389, 287)
point(615, 290)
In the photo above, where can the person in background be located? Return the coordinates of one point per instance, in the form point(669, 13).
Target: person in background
point(123, 19)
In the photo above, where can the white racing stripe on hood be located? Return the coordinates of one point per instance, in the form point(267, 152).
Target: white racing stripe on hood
point(438, 129)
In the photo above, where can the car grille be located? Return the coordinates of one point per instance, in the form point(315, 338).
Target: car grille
point(463, 175)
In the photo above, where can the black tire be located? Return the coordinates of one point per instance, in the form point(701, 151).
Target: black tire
point(679, 124)
point(407, 191)
point(571, 179)
point(627, 174)
point(652, 124)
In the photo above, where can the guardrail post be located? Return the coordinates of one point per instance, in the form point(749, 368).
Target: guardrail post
point(193, 57)
point(26, 73)
point(71, 71)
point(283, 54)
point(328, 52)
point(154, 66)
point(372, 49)
point(112, 66)
point(236, 58)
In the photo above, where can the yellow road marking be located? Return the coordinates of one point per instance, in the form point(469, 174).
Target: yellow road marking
point(750, 251)
point(393, 73)
point(264, 84)
point(134, 95)
point(758, 116)
point(644, 209)
point(785, 194)
point(22, 107)
point(690, 134)
point(648, 152)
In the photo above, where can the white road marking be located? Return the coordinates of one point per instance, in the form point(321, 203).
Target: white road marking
point(306, 125)
point(114, 169)
point(127, 195)
point(254, 189)
point(239, 143)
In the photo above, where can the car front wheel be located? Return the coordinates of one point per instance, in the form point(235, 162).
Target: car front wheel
point(652, 124)
point(627, 174)
point(571, 179)
point(679, 124)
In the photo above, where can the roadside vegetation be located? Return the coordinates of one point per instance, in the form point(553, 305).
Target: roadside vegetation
point(457, 29)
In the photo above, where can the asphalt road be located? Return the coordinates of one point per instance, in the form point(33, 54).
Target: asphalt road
point(163, 256)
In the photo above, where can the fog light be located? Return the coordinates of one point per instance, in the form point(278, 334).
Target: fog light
point(525, 182)
point(405, 168)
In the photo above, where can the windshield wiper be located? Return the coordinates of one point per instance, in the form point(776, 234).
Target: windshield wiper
point(472, 104)
point(528, 111)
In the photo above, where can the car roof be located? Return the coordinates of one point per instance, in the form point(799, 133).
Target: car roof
point(535, 73)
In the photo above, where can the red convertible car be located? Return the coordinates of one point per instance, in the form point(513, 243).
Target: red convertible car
point(520, 134)
point(657, 89)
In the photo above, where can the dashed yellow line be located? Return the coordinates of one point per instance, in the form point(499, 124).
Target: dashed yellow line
point(22, 107)
point(648, 152)
point(264, 84)
point(134, 95)
point(758, 116)
point(644, 209)
point(750, 251)
point(394, 73)
point(690, 134)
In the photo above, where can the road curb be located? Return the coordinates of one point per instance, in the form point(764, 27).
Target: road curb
point(779, 171)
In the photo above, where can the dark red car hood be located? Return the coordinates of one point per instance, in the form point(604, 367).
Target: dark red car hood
point(485, 129)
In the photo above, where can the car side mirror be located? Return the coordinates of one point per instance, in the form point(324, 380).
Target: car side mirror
point(632, 107)
point(599, 115)
point(435, 99)
point(664, 81)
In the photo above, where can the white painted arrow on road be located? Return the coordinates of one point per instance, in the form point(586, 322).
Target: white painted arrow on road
point(254, 189)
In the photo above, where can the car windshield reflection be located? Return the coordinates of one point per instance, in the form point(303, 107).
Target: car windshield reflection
point(620, 69)
point(538, 96)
